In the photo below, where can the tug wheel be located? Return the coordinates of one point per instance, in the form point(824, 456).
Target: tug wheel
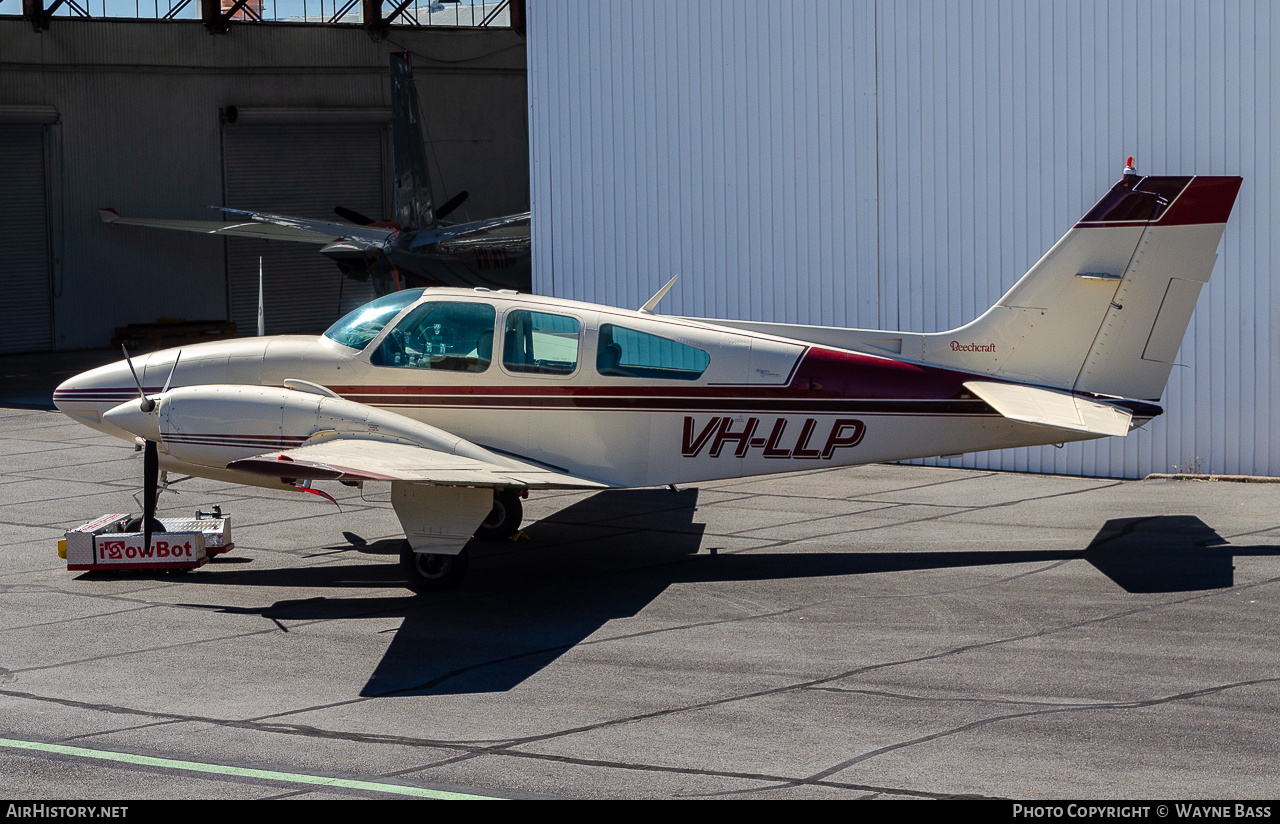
point(429, 572)
point(504, 519)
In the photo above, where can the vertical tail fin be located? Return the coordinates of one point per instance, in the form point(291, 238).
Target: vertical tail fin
point(1105, 310)
point(414, 204)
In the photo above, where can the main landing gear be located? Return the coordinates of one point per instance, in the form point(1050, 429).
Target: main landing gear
point(505, 517)
point(431, 572)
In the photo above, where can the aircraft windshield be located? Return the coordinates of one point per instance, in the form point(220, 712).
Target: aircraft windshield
point(357, 328)
point(455, 336)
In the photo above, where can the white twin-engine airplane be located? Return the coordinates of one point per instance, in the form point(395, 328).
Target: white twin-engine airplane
point(465, 399)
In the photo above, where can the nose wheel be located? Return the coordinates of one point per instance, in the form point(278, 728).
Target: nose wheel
point(504, 519)
point(429, 572)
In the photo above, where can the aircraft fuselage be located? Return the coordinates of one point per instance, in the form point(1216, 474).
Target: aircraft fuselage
point(760, 404)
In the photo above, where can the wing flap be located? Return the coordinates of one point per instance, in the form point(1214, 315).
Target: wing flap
point(366, 460)
point(1045, 407)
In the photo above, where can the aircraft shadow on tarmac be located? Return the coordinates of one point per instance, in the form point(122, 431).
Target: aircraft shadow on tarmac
point(608, 556)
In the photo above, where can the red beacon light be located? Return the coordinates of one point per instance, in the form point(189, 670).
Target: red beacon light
point(1129, 167)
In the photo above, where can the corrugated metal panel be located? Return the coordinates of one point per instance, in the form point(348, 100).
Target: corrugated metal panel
point(902, 164)
point(302, 169)
point(672, 138)
point(25, 323)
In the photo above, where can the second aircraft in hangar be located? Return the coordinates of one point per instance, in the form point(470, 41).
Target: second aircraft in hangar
point(418, 248)
point(464, 399)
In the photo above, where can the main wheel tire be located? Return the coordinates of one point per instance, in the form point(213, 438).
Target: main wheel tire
point(504, 519)
point(426, 572)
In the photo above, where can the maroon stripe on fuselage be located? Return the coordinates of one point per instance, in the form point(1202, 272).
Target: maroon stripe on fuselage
point(825, 380)
point(236, 435)
point(798, 406)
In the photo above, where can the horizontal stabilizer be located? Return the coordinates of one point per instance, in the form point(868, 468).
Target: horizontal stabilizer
point(1046, 407)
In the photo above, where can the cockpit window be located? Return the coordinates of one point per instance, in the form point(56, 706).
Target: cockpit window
point(357, 328)
point(456, 337)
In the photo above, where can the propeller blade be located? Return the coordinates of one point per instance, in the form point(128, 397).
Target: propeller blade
point(147, 403)
point(169, 380)
point(352, 215)
point(451, 204)
point(150, 489)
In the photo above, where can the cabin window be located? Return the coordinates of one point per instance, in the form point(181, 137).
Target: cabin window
point(357, 328)
point(456, 337)
point(540, 343)
point(626, 353)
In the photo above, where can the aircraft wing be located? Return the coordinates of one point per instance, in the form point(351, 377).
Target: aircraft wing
point(262, 226)
point(496, 229)
point(356, 459)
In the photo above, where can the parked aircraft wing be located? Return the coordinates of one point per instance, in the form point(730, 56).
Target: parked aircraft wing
point(1046, 407)
point(359, 459)
point(260, 226)
point(506, 228)
point(326, 228)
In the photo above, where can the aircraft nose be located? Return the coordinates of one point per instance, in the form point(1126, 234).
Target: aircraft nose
point(110, 384)
point(62, 394)
point(74, 393)
point(130, 417)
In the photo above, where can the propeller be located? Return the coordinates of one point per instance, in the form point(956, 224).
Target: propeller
point(451, 204)
point(352, 215)
point(151, 450)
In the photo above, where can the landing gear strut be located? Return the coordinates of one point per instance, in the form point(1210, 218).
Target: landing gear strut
point(427, 572)
point(505, 517)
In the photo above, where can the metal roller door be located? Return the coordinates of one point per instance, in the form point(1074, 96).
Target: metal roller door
point(25, 312)
point(303, 169)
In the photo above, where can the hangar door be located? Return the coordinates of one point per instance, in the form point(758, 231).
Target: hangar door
point(302, 164)
point(26, 319)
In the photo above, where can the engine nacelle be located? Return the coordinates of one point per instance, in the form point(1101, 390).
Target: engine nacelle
point(214, 425)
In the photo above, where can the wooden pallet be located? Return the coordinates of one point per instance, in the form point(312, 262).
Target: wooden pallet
point(165, 334)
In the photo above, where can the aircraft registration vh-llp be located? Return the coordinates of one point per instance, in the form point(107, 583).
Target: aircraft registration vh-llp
point(465, 399)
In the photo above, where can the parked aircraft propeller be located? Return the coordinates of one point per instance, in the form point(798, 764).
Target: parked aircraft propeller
point(451, 204)
point(444, 211)
point(353, 216)
point(151, 450)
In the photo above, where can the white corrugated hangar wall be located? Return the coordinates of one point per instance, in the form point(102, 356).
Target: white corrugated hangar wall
point(901, 165)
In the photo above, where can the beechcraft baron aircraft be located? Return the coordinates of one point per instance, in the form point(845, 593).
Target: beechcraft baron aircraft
point(415, 249)
point(465, 399)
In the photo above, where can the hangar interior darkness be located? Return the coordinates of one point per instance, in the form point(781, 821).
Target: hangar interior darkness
point(162, 119)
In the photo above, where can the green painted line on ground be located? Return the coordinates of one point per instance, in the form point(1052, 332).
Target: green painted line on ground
point(221, 769)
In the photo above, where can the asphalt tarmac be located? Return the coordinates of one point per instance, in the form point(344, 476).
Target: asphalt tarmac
point(882, 632)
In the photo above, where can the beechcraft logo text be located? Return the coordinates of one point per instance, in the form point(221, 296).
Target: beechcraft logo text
point(957, 346)
point(810, 439)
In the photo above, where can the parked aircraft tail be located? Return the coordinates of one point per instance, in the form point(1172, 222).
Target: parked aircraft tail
point(1105, 310)
point(1103, 313)
point(414, 204)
